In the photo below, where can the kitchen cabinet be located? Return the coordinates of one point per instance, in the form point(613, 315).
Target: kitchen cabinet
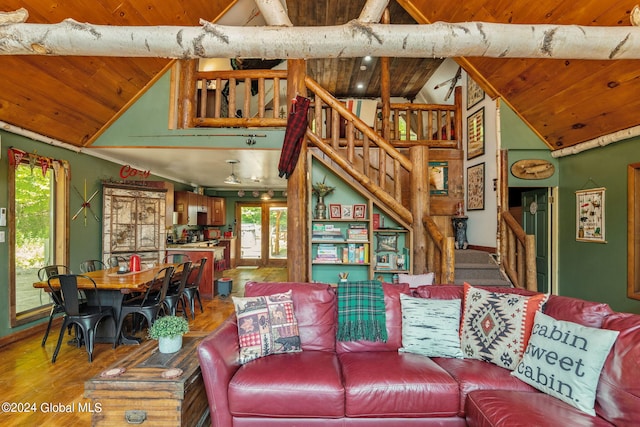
point(133, 221)
point(229, 246)
point(217, 211)
point(198, 209)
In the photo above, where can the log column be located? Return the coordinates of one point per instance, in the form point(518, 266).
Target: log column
point(297, 188)
point(419, 184)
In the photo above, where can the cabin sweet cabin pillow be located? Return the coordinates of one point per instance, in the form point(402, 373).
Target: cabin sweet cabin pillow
point(564, 359)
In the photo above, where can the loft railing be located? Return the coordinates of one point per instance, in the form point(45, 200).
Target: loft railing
point(440, 253)
point(517, 253)
point(240, 98)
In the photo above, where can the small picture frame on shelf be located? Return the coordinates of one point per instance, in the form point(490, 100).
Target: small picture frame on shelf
point(335, 211)
point(347, 212)
point(387, 242)
point(359, 211)
point(382, 262)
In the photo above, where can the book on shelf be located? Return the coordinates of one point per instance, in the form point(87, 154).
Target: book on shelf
point(361, 234)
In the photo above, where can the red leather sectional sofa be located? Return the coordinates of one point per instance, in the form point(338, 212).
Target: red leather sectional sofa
point(364, 383)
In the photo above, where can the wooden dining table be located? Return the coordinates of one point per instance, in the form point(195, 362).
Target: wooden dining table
point(112, 287)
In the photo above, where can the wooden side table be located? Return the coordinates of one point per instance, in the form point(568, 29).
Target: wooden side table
point(142, 389)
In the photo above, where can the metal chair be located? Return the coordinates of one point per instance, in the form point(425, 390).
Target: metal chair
point(148, 304)
point(56, 298)
point(92, 265)
point(192, 290)
point(85, 316)
point(175, 295)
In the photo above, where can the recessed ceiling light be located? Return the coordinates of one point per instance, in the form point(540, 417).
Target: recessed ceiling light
point(360, 86)
point(362, 68)
point(367, 58)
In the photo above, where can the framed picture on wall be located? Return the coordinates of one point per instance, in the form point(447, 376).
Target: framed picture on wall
point(359, 211)
point(475, 93)
point(439, 178)
point(590, 215)
point(347, 212)
point(335, 211)
point(475, 134)
point(475, 187)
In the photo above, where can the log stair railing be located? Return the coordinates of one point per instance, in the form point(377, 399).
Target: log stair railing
point(517, 253)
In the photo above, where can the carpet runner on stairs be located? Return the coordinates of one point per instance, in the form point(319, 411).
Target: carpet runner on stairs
point(478, 268)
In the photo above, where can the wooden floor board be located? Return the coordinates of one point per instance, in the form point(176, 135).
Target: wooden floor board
point(42, 393)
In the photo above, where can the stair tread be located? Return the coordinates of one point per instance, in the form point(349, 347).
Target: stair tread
point(471, 265)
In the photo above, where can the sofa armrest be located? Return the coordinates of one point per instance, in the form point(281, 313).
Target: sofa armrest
point(219, 360)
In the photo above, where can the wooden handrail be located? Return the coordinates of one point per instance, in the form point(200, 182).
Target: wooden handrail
point(518, 253)
point(440, 253)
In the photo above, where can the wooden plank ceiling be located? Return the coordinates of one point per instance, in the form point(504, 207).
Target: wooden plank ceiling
point(72, 98)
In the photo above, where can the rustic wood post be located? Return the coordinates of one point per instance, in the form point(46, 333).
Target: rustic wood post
point(187, 103)
point(419, 156)
point(385, 88)
point(298, 256)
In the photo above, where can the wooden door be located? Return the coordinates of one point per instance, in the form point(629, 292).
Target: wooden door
point(535, 220)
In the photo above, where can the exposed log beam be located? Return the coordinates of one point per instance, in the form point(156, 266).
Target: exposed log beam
point(353, 39)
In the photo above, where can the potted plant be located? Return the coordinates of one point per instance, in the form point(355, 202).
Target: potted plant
point(321, 189)
point(168, 330)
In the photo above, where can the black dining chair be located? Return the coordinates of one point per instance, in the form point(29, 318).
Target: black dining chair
point(192, 289)
point(150, 303)
point(56, 298)
point(92, 265)
point(85, 316)
point(175, 295)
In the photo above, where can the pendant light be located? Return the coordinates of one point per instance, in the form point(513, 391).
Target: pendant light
point(232, 179)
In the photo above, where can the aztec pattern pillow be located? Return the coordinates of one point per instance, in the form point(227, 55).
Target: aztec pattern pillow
point(564, 360)
point(266, 325)
point(496, 326)
point(430, 327)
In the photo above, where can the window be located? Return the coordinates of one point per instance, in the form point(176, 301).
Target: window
point(38, 229)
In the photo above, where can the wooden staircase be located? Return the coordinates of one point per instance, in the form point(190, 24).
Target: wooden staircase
point(478, 268)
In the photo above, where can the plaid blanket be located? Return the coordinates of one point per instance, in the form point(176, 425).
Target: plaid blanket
point(361, 313)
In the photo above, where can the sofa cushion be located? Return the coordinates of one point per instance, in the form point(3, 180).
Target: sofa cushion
point(393, 322)
point(315, 307)
point(430, 327)
point(500, 408)
point(496, 325)
point(474, 374)
point(457, 291)
point(564, 359)
point(585, 313)
point(618, 394)
point(266, 325)
point(306, 384)
point(415, 280)
point(391, 384)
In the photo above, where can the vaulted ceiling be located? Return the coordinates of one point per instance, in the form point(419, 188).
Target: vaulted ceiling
point(73, 99)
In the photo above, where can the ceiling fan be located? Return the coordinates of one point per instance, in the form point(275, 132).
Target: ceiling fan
point(232, 179)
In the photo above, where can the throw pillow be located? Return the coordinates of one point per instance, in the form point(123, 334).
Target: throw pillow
point(430, 327)
point(415, 280)
point(496, 326)
point(564, 359)
point(266, 325)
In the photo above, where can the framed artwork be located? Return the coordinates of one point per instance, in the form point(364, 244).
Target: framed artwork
point(590, 215)
point(359, 211)
point(387, 242)
point(475, 187)
point(475, 93)
point(335, 211)
point(347, 212)
point(439, 178)
point(475, 134)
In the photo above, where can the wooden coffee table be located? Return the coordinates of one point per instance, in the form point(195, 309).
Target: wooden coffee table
point(151, 388)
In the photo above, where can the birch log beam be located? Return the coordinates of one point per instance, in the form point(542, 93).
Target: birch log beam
point(353, 39)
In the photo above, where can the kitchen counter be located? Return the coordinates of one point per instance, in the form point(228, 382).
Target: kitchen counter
point(211, 273)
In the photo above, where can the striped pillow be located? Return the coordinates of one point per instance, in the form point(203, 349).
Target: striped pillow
point(430, 327)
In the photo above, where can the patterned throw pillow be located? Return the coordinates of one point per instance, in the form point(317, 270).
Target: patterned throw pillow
point(496, 325)
point(564, 360)
point(430, 327)
point(266, 325)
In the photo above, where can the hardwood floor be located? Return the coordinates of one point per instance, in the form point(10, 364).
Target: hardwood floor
point(42, 393)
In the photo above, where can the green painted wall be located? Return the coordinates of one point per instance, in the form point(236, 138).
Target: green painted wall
point(84, 241)
point(597, 271)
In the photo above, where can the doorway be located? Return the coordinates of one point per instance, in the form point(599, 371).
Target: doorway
point(532, 208)
point(262, 234)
